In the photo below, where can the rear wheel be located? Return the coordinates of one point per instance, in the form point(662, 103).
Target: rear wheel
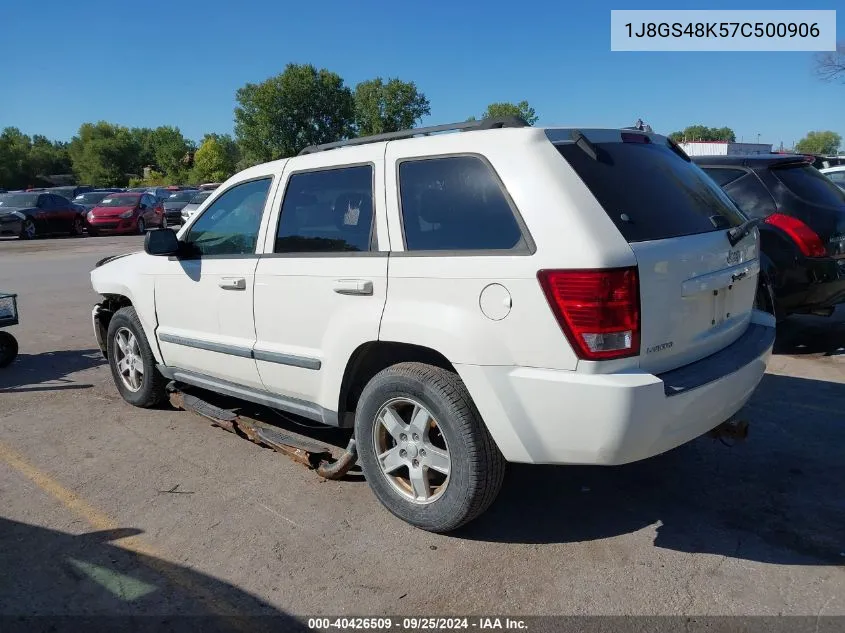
point(77, 227)
point(28, 230)
point(132, 363)
point(8, 349)
point(424, 448)
point(764, 299)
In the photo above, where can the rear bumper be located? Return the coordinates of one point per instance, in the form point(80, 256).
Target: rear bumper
point(545, 416)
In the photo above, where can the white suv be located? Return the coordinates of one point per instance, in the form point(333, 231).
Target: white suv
point(499, 294)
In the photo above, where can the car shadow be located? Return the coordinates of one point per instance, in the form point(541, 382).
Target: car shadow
point(91, 581)
point(776, 498)
point(807, 334)
point(50, 371)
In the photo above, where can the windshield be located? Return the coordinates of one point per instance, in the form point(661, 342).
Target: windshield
point(181, 196)
point(18, 199)
point(122, 200)
point(810, 184)
point(650, 192)
point(200, 197)
point(90, 198)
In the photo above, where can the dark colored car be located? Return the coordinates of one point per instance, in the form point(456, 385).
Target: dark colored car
point(30, 214)
point(802, 228)
point(89, 199)
point(126, 212)
point(69, 192)
point(175, 203)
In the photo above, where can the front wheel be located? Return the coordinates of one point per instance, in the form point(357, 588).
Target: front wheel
point(132, 363)
point(424, 448)
point(8, 349)
point(28, 229)
point(142, 228)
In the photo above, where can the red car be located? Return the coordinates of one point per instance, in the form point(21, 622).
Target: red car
point(129, 212)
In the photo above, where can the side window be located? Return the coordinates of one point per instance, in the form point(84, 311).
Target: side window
point(329, 210)
point(751, 196)
point(230, 225)
point(455, 203)
point(44, 202)
point(724, 176)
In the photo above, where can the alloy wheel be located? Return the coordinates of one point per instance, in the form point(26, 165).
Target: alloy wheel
point(128, 359)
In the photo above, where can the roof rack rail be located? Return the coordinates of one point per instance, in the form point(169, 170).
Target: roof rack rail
point(484, 124)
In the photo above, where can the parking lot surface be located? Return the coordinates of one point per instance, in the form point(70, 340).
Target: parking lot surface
point(108, 509)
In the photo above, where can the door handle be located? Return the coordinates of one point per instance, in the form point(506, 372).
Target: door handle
point(353, 286)
point(232, 283)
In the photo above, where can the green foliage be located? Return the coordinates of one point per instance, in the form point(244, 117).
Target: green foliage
point(216, 159)
point(821, 142)
point(301, 106)
point(154, 179)
point(521, 109)
point(388, 107)
point(15, 147)
point(103, 154)
point(704, 133)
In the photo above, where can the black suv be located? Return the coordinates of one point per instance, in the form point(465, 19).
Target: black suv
point(803, 232)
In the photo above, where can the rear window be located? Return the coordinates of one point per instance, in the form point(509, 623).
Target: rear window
point(650, 192)
point(810, 184)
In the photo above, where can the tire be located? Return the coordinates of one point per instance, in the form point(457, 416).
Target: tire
point(476, 467)
point(764, 299)
point(77, 227)
point(142, 227)
point(150, 390)
point(8, 349)
point(28, 230)
point(93, 232)
point(163, 224)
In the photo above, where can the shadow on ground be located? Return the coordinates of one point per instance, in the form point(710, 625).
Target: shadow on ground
point(29, 372)
point(89, 582)
point(776, 498)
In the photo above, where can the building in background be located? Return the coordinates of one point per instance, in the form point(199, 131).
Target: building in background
point(724, 148)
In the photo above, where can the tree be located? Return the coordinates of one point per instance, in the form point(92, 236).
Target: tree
point(103, 154)
point(48, 157)
point(301, 106)
point(830, 66)
point(388, 107)
point(521, 109)
point(825, 143)
point(216, 159)
point(704, 133)
point(169, 150)
point(15, 146)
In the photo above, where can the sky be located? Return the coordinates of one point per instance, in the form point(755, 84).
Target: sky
point(180, 62)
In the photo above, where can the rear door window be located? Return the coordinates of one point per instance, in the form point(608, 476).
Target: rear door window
point(650, 192)
point(810, 184)
point(455, 203)
point(751, 196)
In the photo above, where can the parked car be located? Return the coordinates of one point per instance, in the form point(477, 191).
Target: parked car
point(89, 199)
point(126, 213)
point(553, 296)
point(836, 174)
point(175, 203)
point(32, 214)
point(69, 192)
point(209, 186)
point(802, 215)
point(189, 209)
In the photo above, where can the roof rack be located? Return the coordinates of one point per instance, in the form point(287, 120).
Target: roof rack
point(484, 124)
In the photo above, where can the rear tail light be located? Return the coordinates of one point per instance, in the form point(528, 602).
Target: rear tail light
point(808, 242)
point(598, 310)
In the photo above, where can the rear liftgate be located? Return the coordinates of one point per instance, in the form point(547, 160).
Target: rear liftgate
point(330, 462)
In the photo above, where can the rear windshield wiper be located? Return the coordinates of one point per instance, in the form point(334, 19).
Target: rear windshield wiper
point(584, 144)
point(738, 232)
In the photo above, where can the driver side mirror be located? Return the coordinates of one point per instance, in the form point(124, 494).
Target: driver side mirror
point(161, 242)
